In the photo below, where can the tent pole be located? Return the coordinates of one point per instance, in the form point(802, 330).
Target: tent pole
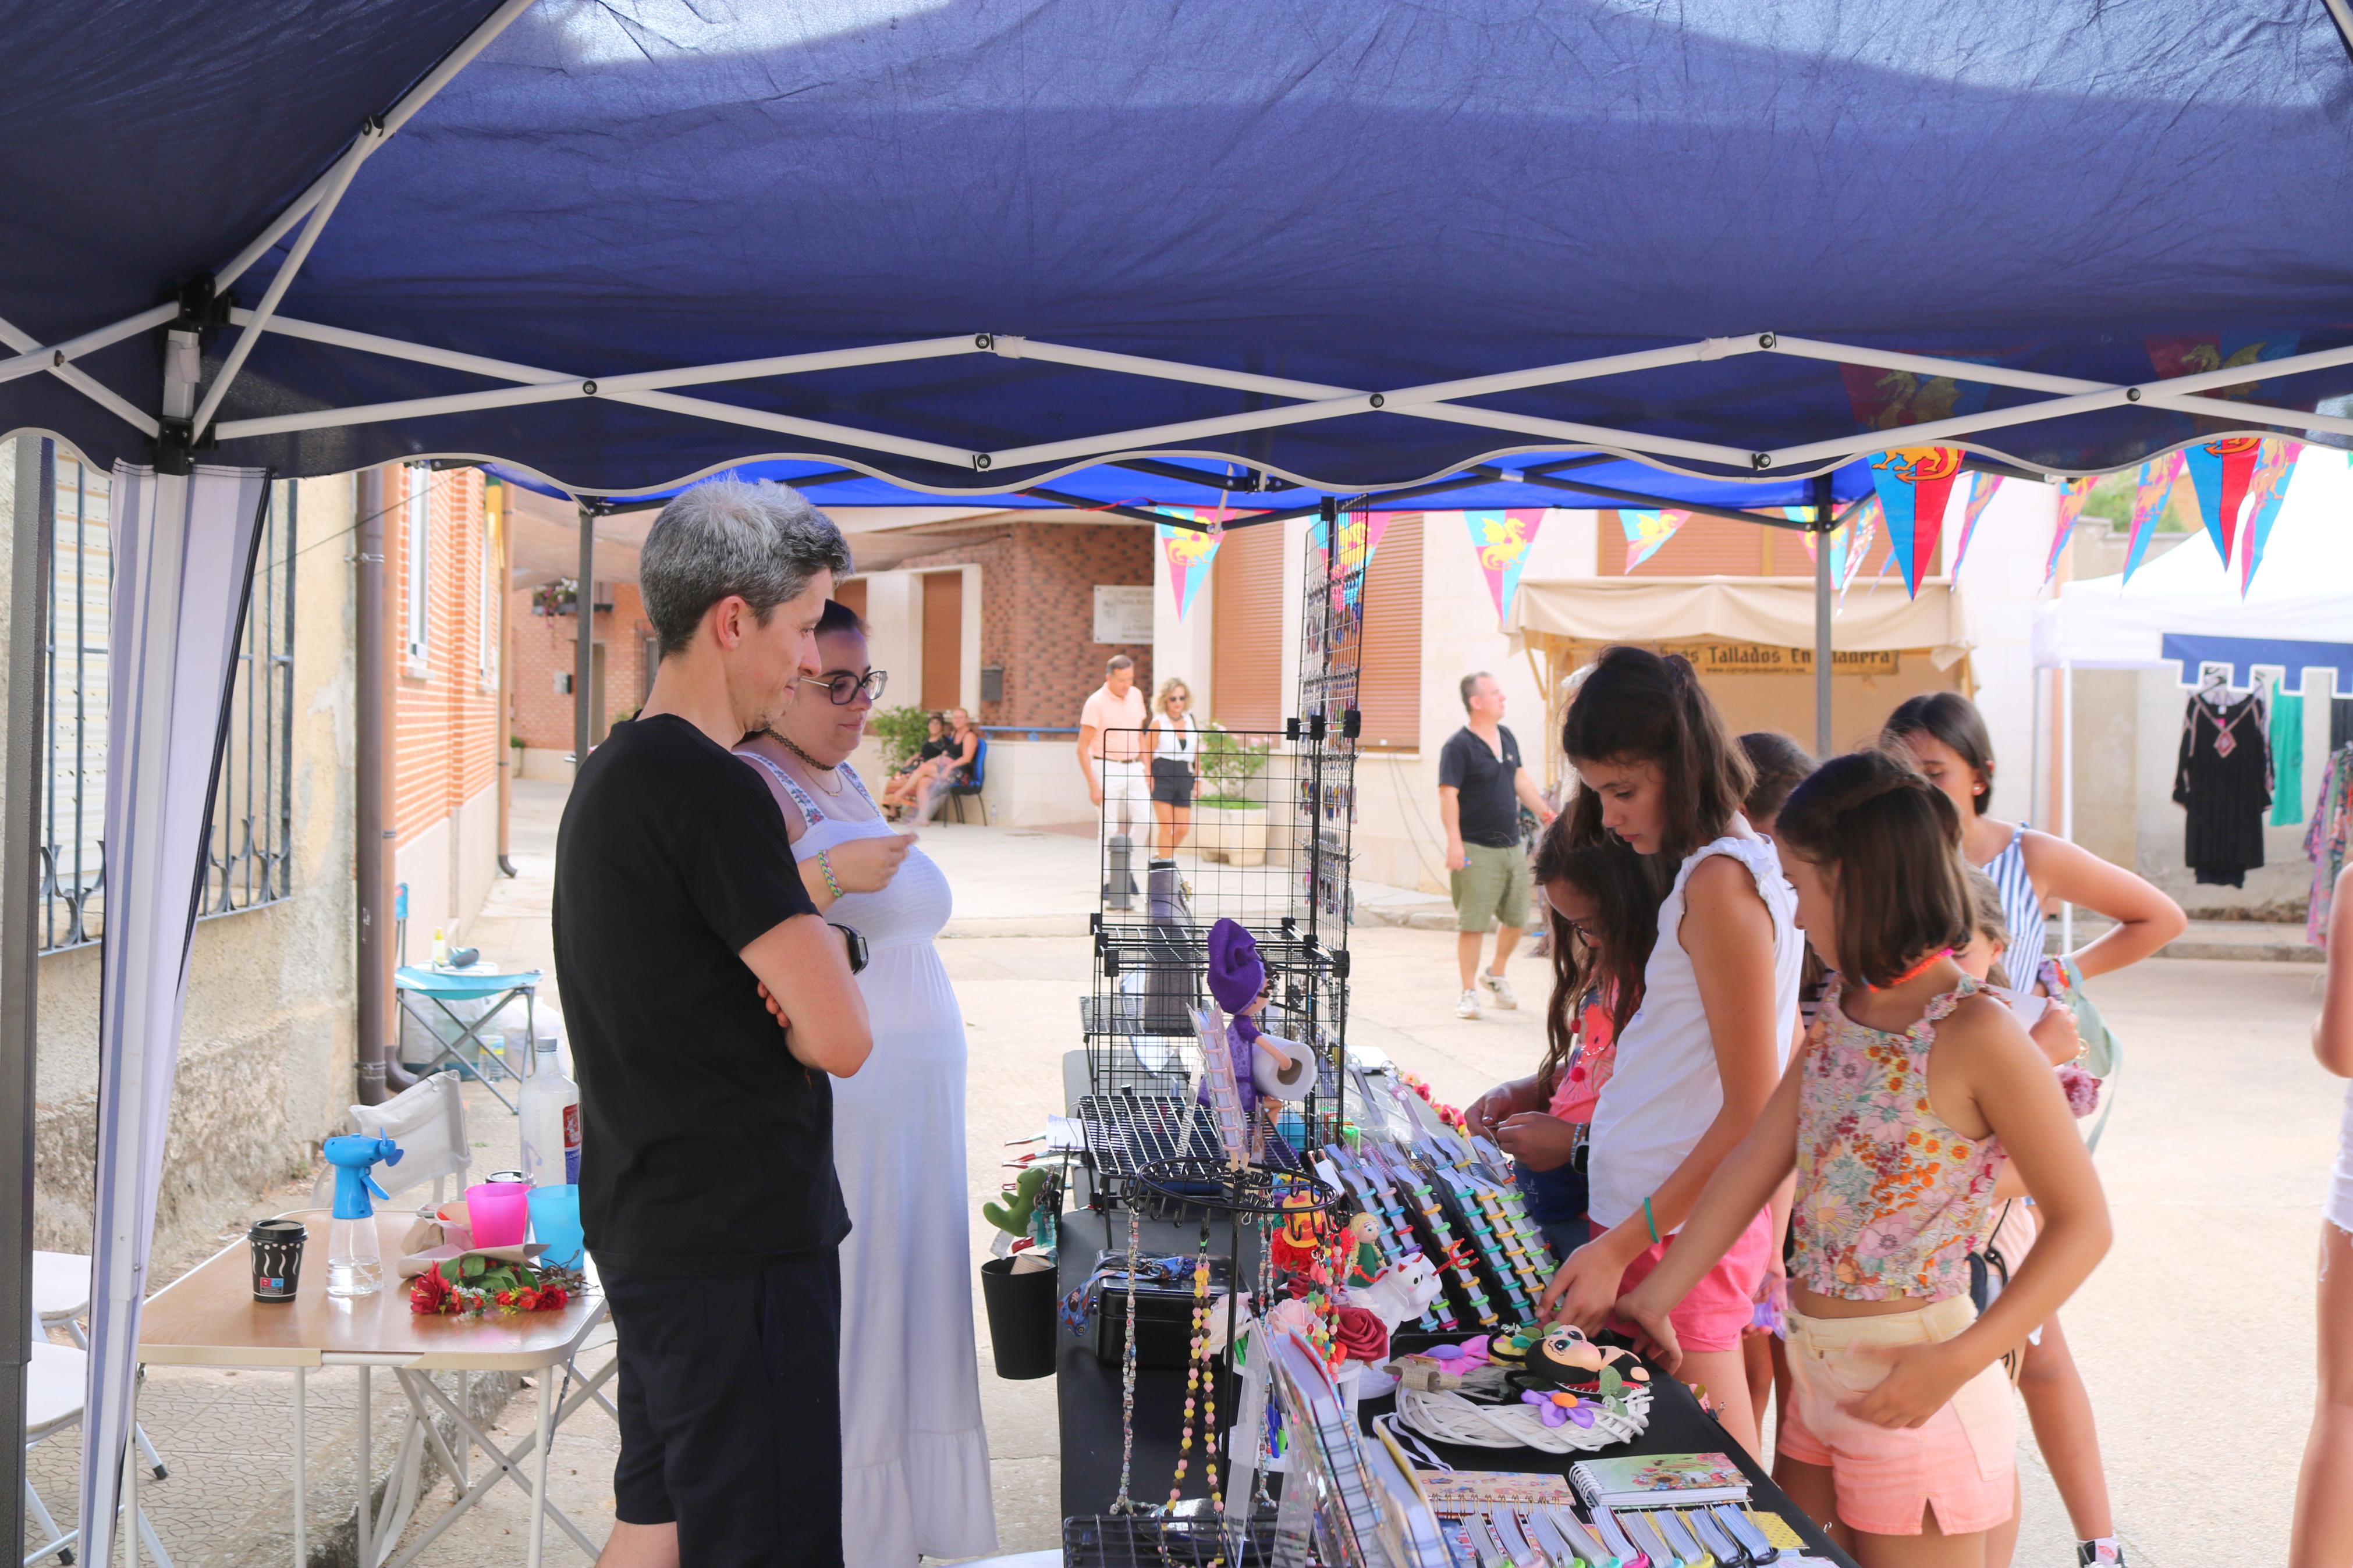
point(30, 532)
point(2067, 787)
point(1823, 502)
point(584, 654)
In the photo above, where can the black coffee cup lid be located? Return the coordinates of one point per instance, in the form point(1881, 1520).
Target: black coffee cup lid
point(276, 1229)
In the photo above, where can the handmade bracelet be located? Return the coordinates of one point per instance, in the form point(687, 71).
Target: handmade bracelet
point(825, 866)
point(1650, 1220)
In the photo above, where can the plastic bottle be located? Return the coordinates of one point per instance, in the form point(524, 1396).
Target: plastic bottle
point(549, 1110)
point(441, 948)
point(355, 1265)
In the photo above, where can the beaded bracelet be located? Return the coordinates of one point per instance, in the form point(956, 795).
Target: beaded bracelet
point(825, 865)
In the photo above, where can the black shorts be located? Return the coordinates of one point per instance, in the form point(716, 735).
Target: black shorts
point(731, 1412)
point(1171, 781)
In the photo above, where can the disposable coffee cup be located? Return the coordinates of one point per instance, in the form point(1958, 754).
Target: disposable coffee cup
point(277, 1258)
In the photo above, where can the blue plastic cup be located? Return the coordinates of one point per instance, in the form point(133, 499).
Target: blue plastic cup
point(555, 1220)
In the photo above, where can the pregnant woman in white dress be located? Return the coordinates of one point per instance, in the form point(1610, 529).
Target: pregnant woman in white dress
point(914, 1456)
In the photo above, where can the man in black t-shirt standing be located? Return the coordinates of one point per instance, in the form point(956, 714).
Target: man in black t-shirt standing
point(707, 1187)
point(1481, 787)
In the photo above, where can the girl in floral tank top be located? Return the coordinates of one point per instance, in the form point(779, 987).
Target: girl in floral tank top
point(1890, 1200)
point(1897, 1115)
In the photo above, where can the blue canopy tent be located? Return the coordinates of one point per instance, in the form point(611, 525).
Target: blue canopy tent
point(1002, 246)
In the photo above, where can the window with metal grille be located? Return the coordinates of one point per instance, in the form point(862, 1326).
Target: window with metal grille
point(418, 564)
point(249, 861)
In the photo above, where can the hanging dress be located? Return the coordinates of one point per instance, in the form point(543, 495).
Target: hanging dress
point(2224, 778)
point(914, 1455)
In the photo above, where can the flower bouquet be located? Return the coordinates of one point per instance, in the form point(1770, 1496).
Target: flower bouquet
point(471, 1283)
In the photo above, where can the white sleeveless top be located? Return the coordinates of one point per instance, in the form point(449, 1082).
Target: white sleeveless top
point(1176, 739)
point(1665, 1089)
point(914, 906)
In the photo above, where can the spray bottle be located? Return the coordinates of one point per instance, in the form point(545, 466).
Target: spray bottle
point(354, 1266)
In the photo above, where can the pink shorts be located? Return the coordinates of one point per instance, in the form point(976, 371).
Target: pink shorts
point(1961, 1462)
point(1723, 1303)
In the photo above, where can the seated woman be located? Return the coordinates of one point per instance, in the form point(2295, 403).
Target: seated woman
point(898, 789)
point(950, 771)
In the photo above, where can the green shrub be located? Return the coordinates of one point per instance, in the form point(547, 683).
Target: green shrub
point(900, 731)
point(1228, 766)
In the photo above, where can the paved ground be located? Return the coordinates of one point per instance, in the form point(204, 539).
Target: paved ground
point(2195, 1337)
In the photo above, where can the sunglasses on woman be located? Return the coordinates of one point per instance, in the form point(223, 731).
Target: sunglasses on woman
point(843, 687)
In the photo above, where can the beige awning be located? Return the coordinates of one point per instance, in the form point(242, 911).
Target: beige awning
point(1774, 612)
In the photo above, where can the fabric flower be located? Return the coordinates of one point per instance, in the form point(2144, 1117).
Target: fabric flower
point(2082, 1088)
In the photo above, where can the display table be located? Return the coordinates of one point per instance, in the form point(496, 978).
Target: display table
point(208, 1316)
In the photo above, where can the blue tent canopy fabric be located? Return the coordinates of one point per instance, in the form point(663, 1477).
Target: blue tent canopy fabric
point(1272, 199)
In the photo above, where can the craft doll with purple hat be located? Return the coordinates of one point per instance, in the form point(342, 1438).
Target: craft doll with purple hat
point(1264, 1064)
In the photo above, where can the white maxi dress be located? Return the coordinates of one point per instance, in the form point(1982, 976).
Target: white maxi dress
point(915, 1454)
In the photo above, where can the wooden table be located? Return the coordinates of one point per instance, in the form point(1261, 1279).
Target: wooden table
point(208, 1316)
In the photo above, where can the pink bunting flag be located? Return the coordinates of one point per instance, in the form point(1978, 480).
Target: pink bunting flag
point(1646, 530)
point(1850, 542)
point(1191, 549)
point(1503, 540)
point(1981, 490)
point(2152, 494)
point(2219, 474)
point(2072, 497)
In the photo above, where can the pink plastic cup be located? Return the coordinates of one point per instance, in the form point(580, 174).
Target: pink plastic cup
point(499, 1212)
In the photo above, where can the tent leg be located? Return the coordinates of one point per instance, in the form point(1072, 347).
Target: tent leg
point(584, 656)
point(20, 822)
point(1823, 501)
point(2067, 788)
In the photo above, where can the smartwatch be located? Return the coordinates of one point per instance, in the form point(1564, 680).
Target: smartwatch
point(855, 946)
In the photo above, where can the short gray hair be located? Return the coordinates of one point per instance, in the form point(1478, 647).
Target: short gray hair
point(1470, 686)
point(760, 540)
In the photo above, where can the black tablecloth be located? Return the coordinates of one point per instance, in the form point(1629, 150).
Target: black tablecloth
point(1088, 1394)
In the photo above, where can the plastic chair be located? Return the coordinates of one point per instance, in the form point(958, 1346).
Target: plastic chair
point(54, 1382)
point(61, 1300)
point(956, 792)
point(427, 1120)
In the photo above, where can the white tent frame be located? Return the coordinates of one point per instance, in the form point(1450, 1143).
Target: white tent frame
point(185, 400)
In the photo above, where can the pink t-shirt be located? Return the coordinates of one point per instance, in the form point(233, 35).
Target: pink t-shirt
point(1579, 1088)
point(1108, 716)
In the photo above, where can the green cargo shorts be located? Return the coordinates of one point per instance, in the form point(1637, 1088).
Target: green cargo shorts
point(1493, 889)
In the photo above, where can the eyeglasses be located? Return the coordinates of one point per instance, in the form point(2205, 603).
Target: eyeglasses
point(844, 687)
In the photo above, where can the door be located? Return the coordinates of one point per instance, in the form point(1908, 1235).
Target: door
point(943, 640)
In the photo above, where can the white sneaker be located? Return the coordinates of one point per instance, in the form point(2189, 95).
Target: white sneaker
point(1469, 1006)
point(1502, 988)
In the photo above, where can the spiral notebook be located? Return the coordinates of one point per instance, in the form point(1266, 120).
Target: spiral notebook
point(1643, 1480)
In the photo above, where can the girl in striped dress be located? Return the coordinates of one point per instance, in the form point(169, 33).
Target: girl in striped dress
point(1945, 737)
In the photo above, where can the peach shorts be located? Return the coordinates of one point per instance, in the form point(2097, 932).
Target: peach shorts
point(1961, 1462)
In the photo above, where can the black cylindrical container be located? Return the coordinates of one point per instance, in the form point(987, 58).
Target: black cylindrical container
point(1020, 1319)
point(277, 1258)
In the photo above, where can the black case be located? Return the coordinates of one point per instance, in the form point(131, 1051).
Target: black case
point(1163, 1317)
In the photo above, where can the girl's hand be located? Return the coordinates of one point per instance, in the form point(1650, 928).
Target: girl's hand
point(867, 865)
point(1489, 1112)
point(1539, 1141)
point(1921, 1380)
point(1585, 1288)
point(2056, 1035)
point(1654, 1332)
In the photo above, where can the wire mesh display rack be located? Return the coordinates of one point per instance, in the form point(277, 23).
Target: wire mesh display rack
point(1137, 1540)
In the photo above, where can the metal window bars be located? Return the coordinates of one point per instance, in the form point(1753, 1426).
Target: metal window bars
point(250, 858)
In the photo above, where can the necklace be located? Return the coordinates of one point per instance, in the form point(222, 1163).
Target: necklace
point(1915, 972)
point(818, 771)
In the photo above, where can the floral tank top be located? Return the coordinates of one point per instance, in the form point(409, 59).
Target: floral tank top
point(1890, 1201)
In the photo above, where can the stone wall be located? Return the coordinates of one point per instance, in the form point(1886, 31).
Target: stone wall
point(266, 1054)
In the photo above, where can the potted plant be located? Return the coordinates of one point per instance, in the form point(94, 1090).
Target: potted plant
point(1229, 817)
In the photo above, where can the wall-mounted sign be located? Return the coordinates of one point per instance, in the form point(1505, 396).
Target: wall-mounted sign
point(1124, 614)
point(1762, 659)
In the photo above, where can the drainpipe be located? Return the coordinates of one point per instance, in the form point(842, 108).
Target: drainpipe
point(501, 565)
point(379, 1072)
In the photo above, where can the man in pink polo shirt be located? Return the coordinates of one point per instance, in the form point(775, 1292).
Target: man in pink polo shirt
point(1111, 755)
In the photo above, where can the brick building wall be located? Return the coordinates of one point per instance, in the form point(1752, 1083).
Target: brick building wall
point(1037, 612)
point(445, 700)
point(544, 647)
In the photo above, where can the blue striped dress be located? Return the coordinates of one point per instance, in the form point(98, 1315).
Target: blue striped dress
point(2020, 907)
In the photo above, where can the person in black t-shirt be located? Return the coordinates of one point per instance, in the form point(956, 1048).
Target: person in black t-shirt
point(707, 1186)
point(1481, 787)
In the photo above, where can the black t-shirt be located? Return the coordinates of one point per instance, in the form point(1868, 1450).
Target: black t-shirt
point(1490, 811)
point(704, 1146)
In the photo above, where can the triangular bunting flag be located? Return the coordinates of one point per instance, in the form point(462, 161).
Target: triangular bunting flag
point(2220, 471)
point(2151, 496)
point(1646, 530)
point(1189, 550)
point(1981, 489)
point(1503, 540)
point(2073, 494)
point(2266, 493)
point(1914, 484)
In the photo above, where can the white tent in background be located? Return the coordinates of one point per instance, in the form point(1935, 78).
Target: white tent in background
point(2188, 595)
